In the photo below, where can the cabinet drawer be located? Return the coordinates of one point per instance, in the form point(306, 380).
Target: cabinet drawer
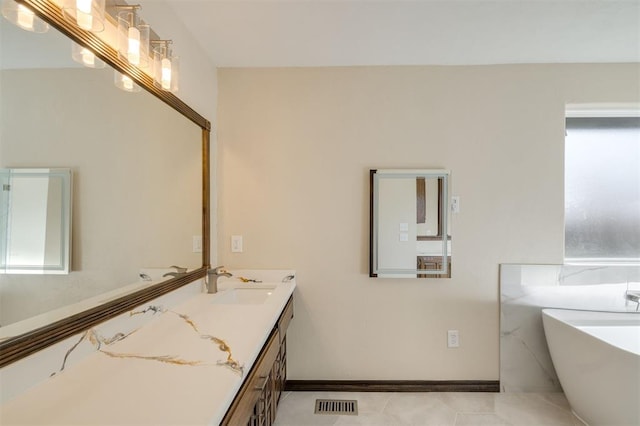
point(285, 318)
point(242, 407)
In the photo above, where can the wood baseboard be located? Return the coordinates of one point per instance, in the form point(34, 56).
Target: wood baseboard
point(393, 385)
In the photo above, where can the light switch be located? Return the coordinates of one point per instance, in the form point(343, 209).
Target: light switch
point(455, 204)
point(236, 243)
point(404, 236)
point(197, 243)
point(404, 227)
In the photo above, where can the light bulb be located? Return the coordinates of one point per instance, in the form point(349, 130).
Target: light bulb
point(22, 16)
point(88, 58)
point(25, 18)
point(166, 74)
point(84, 17)
point(133, 52)
point(127, 83)
point(85, 56)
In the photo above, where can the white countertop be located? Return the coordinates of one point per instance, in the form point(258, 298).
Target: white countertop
point(121, 385)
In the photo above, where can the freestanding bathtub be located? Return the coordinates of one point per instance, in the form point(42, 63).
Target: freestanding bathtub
point(597, 358)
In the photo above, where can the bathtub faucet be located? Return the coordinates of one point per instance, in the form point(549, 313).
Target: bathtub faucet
point(212, 278)
point(633, 297)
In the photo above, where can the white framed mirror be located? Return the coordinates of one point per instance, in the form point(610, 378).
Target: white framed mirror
point(410, 224)
point(35, 221)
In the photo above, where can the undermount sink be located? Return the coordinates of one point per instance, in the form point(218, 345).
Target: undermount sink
point(244, 296)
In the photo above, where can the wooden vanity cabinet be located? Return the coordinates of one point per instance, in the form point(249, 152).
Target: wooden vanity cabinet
point(281, 360)
point(257, 401)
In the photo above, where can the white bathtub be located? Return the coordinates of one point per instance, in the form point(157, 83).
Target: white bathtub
point(597, 358)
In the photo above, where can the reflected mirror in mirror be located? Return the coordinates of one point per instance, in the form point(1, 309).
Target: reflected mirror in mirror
point(410, 233)
point(35, 221)
point(137, 169)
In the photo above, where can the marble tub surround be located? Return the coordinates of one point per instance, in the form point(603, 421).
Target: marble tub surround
point(183, 367)
point(525, 362)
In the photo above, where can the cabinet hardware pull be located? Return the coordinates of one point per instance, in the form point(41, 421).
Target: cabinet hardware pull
point(264, 383)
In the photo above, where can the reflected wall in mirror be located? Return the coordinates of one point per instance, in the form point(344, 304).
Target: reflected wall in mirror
point(35, 221)
point(409, 228)
point(137, 166)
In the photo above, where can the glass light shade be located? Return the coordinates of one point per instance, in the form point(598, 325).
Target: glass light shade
point(88, 14)
point(133, 39)
point(85, 56)
point(23, 17)
point(175, 74)
point(165, 69)
point(125, 82)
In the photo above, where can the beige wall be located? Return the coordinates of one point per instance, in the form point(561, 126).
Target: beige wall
point(137, 179)
point(295, 149)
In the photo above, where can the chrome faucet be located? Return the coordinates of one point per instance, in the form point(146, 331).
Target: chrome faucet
point(212, 278)
point(179, 272)
point(633, 296)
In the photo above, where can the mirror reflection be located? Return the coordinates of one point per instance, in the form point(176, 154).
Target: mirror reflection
point(136, 164)
point(410, 235)
point(35, 221)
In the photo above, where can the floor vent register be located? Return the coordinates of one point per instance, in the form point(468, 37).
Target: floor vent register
point(337, 406)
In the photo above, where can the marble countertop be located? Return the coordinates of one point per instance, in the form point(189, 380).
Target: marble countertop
point(183, 367)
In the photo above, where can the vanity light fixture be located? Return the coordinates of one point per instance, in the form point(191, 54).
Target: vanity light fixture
point(85, 56)
point(88, 14)
point(133, 36)
point(165, 66)
point(23, 17)
point(125, 82)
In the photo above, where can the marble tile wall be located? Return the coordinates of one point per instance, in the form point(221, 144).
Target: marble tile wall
point(525, 363)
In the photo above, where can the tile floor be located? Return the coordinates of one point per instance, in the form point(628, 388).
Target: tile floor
point(431, 408)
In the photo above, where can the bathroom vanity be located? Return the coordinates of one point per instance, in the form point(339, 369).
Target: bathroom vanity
point(257, 401)
point(123, 351)
point(209, 359)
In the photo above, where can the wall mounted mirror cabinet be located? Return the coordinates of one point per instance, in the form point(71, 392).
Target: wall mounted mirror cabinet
point(35, 221)
point(409, 228)
point(140, 165)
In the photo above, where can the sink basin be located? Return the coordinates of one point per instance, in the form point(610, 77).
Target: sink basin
point(244, 296)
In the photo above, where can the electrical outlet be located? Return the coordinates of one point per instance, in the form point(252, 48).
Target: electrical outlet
point(453, 339)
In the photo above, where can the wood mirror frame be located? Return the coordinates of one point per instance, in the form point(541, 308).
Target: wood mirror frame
point(17, 347)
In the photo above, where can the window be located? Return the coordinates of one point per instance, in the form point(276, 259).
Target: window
point(602, 189)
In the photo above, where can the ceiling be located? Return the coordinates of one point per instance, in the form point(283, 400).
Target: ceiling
point(267, 33)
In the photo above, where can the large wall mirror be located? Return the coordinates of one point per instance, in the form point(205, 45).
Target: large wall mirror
point(140, 183)
point(410, 232)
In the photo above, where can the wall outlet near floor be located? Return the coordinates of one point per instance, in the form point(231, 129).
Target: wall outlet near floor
point(453, 339)
point(236, 243)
